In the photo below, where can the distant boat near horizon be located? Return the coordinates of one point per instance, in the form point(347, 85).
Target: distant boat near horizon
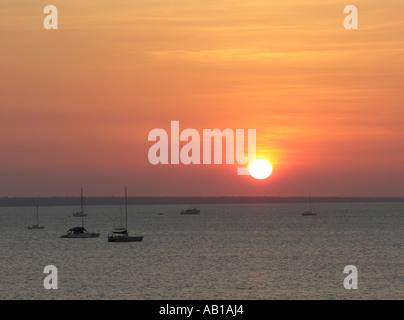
point(309, 212)
point(80, 232)
point(36, 226)
point(121, 234)
point(81, 213)
point(190, 211)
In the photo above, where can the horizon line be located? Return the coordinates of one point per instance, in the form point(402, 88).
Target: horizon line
point(176, 200)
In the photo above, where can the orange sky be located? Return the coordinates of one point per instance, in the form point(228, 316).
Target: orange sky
point(77, 103)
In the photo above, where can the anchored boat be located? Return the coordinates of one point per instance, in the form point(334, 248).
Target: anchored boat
point(80, 232)
point(121, 234)
point(36, 226)
point(309, 212)
point(190, 211)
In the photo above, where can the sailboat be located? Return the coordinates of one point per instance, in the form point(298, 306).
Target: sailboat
point(36, 226)
point(309, 212)
point(121, 234)
point(81, 213)
point(121, 228)
point(80, 232)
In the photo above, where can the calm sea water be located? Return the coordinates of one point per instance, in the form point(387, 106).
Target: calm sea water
point(251, 251)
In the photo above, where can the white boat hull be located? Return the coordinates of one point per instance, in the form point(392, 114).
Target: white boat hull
point(79, 214)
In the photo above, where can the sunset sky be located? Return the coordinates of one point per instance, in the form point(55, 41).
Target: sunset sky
point(78, 103)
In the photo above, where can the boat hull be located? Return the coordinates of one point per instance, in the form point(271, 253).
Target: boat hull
point(35, 227)
point(81, 235)
point(125, 239)
point(309, 213)
point(79, 214)
point(190, 212)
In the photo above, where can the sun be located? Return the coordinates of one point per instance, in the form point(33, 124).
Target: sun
point(260, 169)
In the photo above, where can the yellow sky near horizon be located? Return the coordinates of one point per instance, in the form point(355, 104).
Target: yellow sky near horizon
point(323, 99)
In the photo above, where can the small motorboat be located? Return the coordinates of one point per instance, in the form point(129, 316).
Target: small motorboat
point(190, 211)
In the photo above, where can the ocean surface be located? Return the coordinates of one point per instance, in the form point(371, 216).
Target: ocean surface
point(250, 251)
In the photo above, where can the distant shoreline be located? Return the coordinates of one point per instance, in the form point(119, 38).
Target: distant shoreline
point(74, 201)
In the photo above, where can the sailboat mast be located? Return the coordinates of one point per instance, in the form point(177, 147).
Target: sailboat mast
point(121, 214)
point(82, 213)
point(37, 216)
point(126, 209)
point(81, 199)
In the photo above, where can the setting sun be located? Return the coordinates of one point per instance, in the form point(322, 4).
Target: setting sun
point(260, 169)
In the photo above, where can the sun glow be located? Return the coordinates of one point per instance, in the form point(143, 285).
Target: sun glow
point(260, 169)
